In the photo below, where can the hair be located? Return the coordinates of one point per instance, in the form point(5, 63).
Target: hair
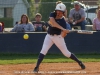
point(98, 7)
point(27, 21)
point(38, 14)
point(58, 2)
point(97, 12)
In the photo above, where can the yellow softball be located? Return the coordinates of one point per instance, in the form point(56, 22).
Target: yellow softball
point(26, 36)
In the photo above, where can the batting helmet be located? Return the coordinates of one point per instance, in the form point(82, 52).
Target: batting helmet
point(61, 7)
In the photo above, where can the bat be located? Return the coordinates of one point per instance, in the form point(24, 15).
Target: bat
point(78, 31)
point(82, 31)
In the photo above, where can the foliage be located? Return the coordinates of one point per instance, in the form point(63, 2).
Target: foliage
point(8, 22)
point(31, 10)
point(47, 6)
point(29, 1)
point(50, 58)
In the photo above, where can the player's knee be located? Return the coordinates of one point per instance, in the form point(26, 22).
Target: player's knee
point(68, 54)
point(43, 52)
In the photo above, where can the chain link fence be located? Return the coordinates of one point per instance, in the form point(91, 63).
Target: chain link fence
point(14, 10)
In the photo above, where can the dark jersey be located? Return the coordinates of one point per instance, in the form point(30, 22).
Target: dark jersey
point(61, 22)
point(39, 26)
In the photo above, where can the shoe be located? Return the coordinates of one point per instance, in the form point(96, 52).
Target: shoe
point(82, 65)
point(36, 69)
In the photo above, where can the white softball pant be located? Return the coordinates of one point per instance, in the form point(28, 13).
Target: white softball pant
point(58, 40)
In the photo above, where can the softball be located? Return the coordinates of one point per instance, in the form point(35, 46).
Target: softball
point(26, 36)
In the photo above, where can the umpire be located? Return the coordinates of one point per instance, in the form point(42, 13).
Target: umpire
point(55, 35)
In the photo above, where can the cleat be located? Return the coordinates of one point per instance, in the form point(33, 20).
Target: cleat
point(82, 65)
point(36, 69)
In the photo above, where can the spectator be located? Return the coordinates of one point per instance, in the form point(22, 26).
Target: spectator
point(97, 8)
point(96, 21)
point(24, 25)
point(65, 15)
point(0, 27)
point(77, 16)
point(38, 24)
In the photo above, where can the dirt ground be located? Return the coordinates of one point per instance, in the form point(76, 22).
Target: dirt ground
point(92, 68)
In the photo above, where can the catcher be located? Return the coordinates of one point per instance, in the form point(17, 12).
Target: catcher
point(56, 32)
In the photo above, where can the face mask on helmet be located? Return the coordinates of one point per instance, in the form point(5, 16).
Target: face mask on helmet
point(61, 7)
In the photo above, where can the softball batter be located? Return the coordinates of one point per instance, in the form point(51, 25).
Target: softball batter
point(55, 35)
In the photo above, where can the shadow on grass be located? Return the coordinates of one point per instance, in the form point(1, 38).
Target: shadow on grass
point(48, 56)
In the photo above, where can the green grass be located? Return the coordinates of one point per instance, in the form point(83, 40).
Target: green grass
point(49, 58)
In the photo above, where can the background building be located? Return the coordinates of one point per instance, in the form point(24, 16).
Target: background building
point(13, 9)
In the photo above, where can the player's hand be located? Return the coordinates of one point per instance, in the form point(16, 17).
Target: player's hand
point(63, 34)
point(50, 23)
point(66, 31)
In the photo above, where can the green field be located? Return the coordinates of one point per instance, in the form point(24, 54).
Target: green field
point(49, 58)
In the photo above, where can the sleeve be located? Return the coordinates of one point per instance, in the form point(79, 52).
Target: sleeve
point(83, 13)
point(94, 21)
point(31, 27)
point(14, 29)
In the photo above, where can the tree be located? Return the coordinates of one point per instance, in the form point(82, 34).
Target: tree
point(98, 2)
point(46, 6)
point(31, 10)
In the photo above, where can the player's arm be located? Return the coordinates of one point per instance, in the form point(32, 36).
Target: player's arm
point(55, 24)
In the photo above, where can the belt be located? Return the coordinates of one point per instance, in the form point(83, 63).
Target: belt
point(53, 34)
